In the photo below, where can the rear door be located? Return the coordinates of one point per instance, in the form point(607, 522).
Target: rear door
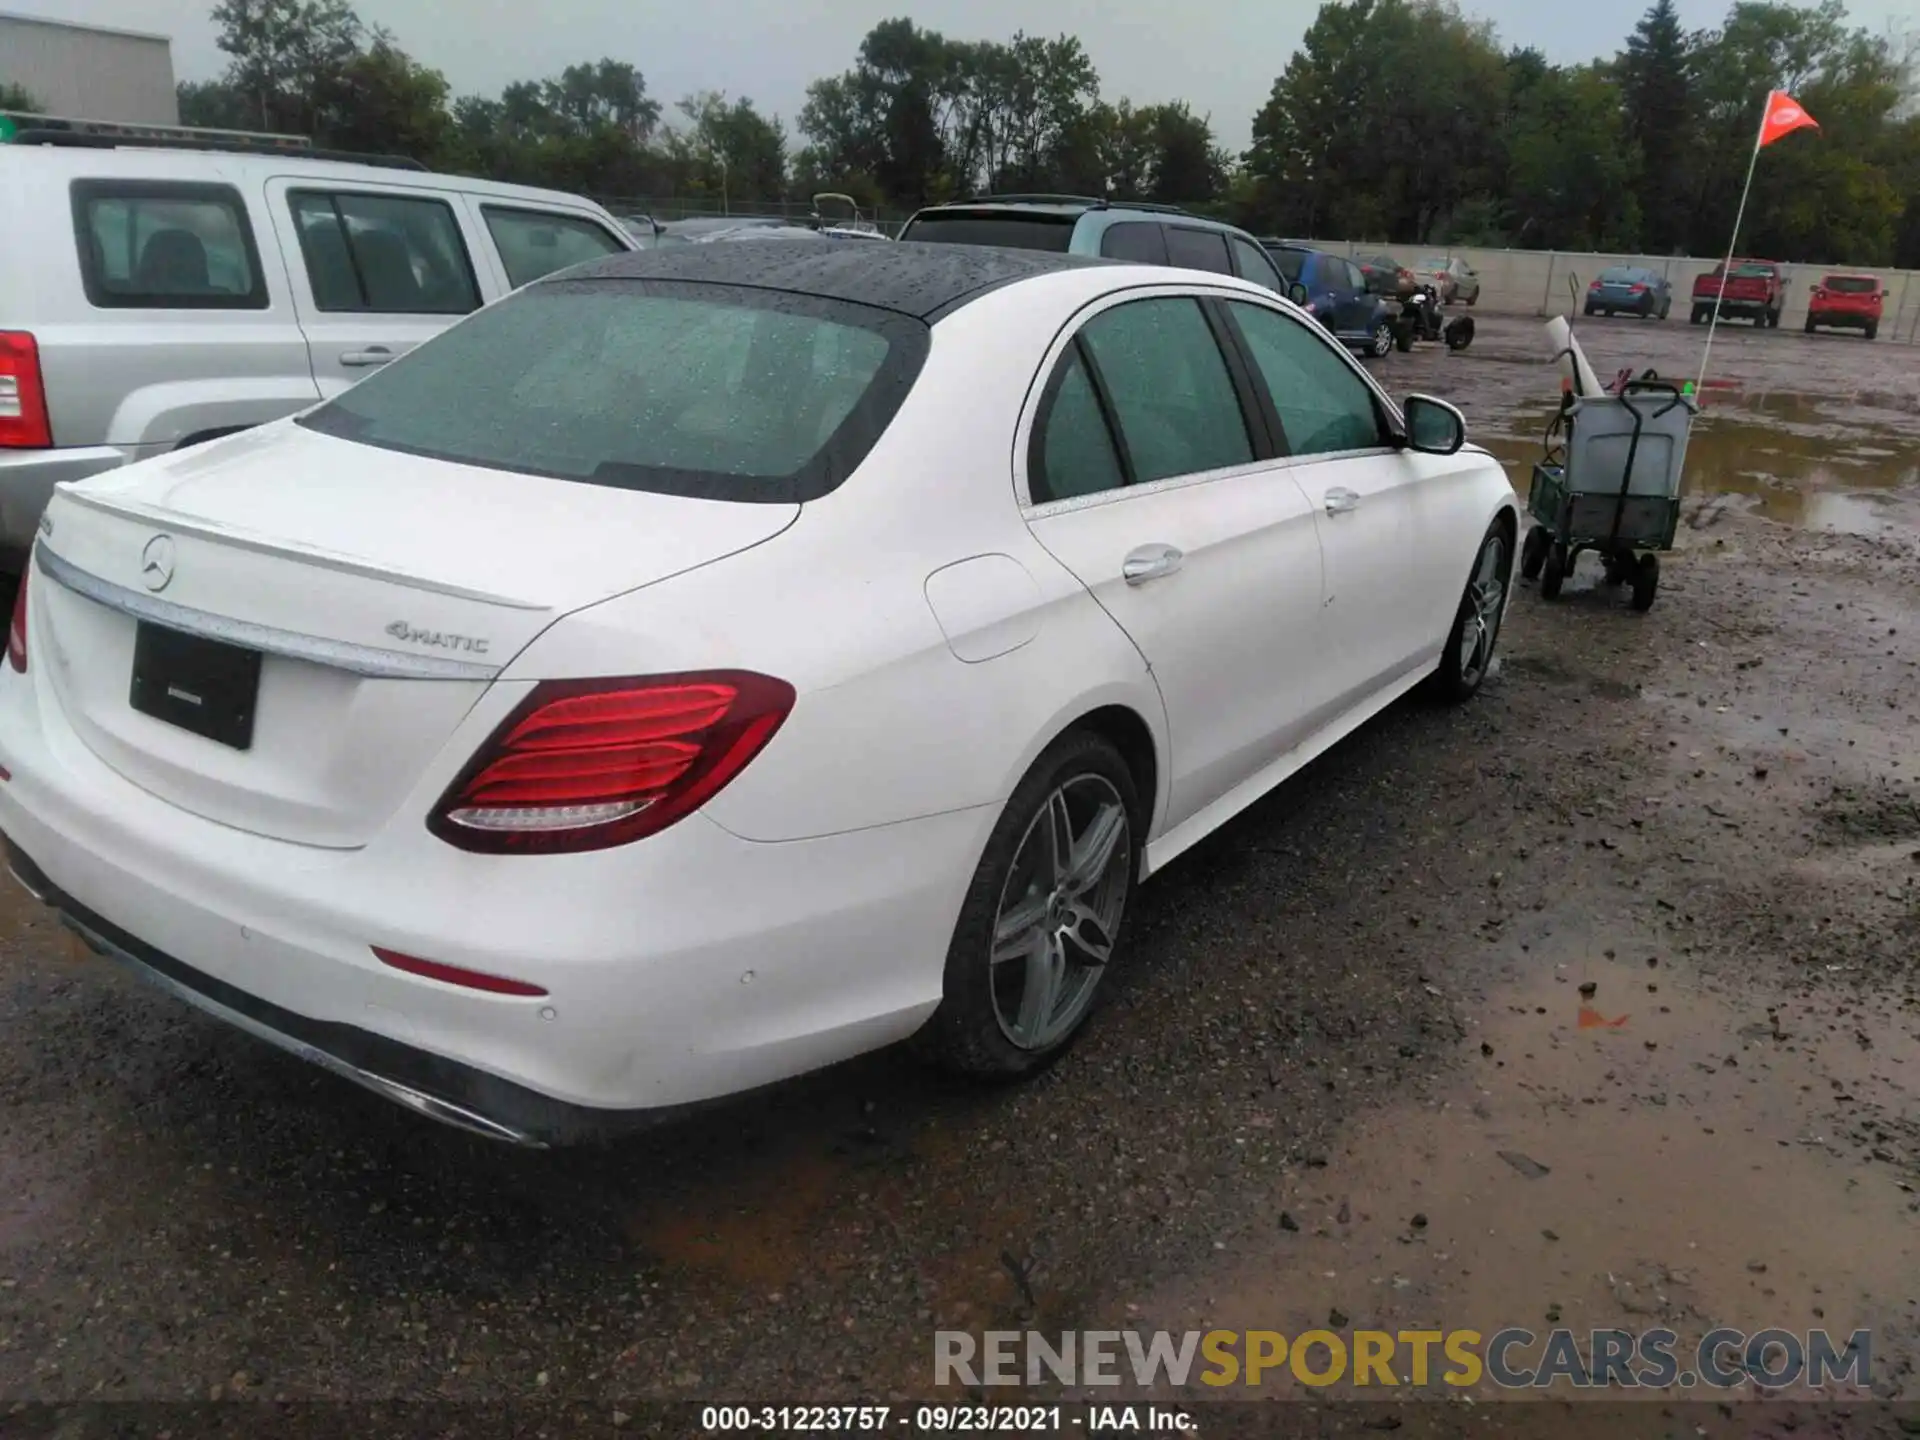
point(376, 270)
point(1355, 301)
point(1152, 480)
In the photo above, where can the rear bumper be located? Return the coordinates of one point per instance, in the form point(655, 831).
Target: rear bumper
point(684, 968)
point(1856, 319)
point(432, 1085)
point(27, 478)
point(1734, 307)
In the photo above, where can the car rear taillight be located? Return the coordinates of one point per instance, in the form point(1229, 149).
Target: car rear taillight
point(1636, 289)
point(17, 630)
point(588, 764)
point(23, 399)
point(1594, 286)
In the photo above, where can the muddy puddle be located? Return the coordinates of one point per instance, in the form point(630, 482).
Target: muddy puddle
point(1627, 1148)
point(1784, 456)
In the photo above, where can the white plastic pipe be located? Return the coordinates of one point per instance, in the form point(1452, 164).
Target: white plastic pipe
point(1572, 359)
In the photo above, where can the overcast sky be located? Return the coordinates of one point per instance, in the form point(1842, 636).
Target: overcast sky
point(1219, 55)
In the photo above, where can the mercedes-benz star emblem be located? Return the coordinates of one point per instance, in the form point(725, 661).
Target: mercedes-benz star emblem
point(156, 563)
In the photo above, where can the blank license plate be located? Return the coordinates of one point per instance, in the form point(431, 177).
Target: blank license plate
point(205, 686)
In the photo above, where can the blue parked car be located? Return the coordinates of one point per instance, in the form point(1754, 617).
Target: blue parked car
point(1336, 295)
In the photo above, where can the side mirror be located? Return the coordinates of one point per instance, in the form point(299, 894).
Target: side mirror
point(1297, 293)
point(1433, 426)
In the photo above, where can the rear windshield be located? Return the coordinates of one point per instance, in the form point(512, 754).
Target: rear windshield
point(1853, 284)
point(1291, 262)
point(705, 390)
point(1017, 230)
point(1619, 275)
point(1753, 272)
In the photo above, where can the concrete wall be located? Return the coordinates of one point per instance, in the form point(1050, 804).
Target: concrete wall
point(84, 73)
point(1534, 282)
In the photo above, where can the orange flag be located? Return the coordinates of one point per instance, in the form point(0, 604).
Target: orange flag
point(1783, 117)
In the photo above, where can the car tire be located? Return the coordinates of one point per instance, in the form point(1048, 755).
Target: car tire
point(1873, 330)
point(1773, 319)
point(1646, 581)
point(977, 1030)
point(1403, 336)
point(1666, 308)
point(1380, 343)
point(1590, 312)
point(1459, 333)
point(1553, 574)
point(1533, 552)
point(1468, 653)
point(1809, 325)
point(1699, 316)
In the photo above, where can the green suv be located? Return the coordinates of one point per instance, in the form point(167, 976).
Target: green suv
point(1118, 229)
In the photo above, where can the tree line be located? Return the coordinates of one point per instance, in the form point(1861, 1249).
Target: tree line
point(1398, 120)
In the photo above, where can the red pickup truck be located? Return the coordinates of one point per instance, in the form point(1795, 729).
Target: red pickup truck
point(1754, 290)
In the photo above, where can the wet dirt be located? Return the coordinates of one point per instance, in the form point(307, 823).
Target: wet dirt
point(1726, 784)
point(1766, 443)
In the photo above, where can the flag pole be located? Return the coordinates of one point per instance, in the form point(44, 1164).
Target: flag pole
point(1733, 243)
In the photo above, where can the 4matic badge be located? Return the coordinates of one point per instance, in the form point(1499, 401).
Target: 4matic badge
point(439, 639)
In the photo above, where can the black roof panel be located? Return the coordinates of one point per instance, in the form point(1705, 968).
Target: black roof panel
point(921, 280)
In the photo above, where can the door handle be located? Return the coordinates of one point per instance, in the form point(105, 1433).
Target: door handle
point(372, 355)
point(1150, 562)
point(1340, 500)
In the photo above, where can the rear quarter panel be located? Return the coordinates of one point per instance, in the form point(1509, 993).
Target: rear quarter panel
point(139, 377)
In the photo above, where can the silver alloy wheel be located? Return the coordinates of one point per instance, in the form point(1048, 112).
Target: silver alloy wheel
point(1060, 911)
point(1382, 341)
point(1486, 602)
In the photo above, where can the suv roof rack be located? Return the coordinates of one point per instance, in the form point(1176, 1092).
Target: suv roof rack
point(29, 129)
point(1090, 201)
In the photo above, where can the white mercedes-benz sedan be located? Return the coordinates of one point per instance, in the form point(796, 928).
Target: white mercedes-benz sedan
point(711, 663)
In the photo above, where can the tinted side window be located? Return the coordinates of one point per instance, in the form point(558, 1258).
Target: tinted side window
point(1356, 278)
point(1323, 406)
point(384, 254)
point(1075, 454)
point(1252, 263)
point(1198, 249)
point(1135, 240)
point(533, 243)
point(1172, 397)
point(166, 246)
point(1291, 262)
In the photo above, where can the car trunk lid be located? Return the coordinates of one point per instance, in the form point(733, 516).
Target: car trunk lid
point(382, 593)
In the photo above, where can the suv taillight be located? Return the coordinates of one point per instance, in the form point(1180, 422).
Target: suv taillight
point(23, 399)
point(588, 764)
point(17, 630)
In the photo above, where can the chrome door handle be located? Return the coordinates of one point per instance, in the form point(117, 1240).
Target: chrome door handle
point(1341, 500)
point(372, 355)
point(1150, 562)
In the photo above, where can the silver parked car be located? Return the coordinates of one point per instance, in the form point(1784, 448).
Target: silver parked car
point(154, 296)
point(1457, 282)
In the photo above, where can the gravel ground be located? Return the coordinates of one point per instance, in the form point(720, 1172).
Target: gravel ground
point(1352, 1007)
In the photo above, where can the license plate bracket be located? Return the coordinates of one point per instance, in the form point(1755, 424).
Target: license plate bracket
point(200, 685)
